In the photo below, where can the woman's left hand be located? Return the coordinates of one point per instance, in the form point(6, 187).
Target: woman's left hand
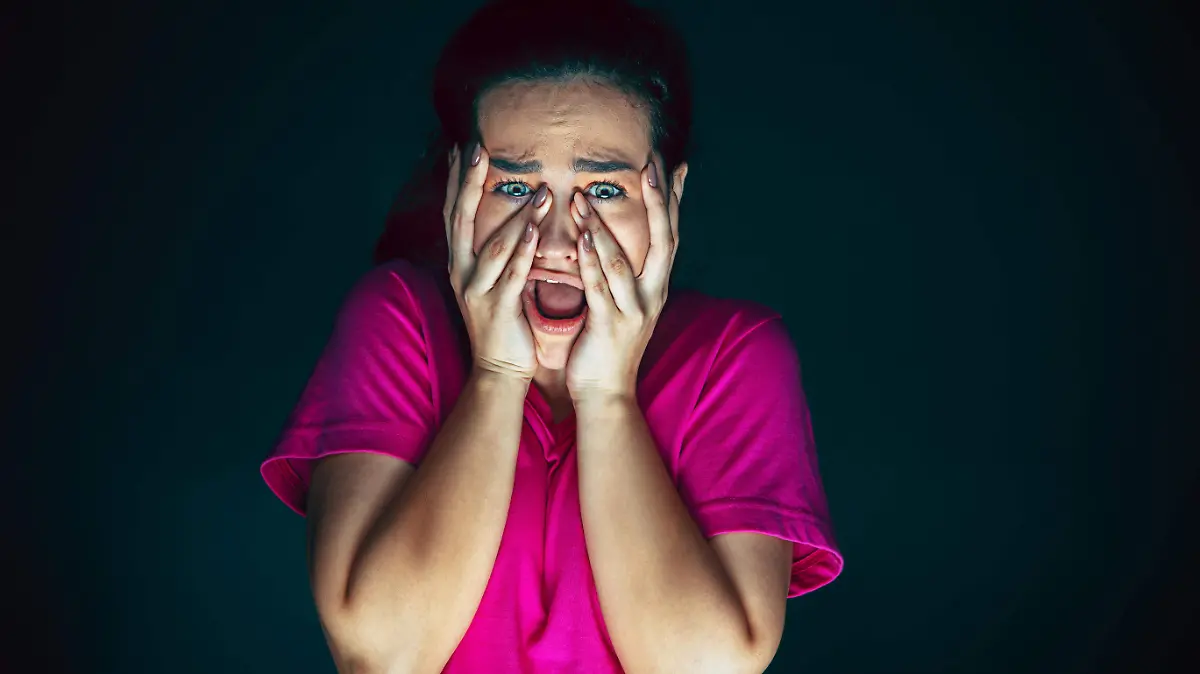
point(622, 308)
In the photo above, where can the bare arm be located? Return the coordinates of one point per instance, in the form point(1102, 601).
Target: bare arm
point(673, 601)
point(400, 556)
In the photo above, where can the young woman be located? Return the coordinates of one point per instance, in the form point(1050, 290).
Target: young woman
point(519, 452)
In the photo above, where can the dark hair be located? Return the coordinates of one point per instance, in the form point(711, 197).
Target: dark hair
point(615, 42)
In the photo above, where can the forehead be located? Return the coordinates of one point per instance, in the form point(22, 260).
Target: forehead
point(551, 119)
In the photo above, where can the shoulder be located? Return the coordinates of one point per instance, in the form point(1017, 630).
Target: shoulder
point(700, 338)
point(398, 303)
point(396, 281)
point(397, 289)
point(706, 322)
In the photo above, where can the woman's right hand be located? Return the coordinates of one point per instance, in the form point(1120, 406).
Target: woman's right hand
point(488, 286)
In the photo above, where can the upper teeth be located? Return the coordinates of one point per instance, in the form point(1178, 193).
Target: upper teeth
point(549, 281)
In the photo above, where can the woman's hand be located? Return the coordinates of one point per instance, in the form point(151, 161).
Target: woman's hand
point(488, 286)
point(622, 309)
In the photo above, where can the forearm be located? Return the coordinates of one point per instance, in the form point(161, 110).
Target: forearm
point(423, 567)
point(667, 602)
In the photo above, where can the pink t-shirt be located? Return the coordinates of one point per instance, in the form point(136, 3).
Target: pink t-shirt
point(720, 389)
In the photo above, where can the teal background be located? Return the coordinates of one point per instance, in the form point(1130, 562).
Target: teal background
point(977, 218)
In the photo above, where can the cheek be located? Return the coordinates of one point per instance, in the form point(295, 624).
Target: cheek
point(490, 216)
point(631, 228)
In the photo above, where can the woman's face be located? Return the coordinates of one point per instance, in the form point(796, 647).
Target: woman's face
point(573, 137)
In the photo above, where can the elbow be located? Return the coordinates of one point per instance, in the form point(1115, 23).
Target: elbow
point(757, 641)
point(357, 640)
point(717, 656)
point(748, 654)
point(747, 661)
point(352, 650)
point(757, 658)
point(759, 650)
point(355, 664)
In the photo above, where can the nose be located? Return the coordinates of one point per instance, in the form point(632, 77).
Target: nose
point(558, 232)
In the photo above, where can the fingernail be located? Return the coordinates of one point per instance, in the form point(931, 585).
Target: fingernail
point(540, 197)
point(453, 154)
point(582, 204)
point(528, 232)
point(653, 177)
point(476, 154)
point(587, 241)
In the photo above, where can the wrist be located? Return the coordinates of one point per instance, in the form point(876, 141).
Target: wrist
point(603, 403)
point(511, 382)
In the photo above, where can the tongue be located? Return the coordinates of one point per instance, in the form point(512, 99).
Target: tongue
point(559, 300)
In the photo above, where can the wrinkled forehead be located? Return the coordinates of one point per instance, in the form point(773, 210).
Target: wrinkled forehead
point(558, 121)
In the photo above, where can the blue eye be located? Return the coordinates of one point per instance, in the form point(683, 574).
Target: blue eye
point(606, 191)
point(514, 189)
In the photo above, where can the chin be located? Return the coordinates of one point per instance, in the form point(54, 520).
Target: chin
point(554, 337)
point(553, 351)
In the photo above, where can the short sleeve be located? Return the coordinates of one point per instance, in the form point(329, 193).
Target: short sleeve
point(748, 462)
point(370, 391)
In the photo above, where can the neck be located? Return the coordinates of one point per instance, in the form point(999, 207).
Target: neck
point(552, 384)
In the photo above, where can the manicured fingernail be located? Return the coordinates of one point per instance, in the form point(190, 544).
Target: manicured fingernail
point(540, 197)
point(476, 154)
point(528, 232)
point(587, 241)
point(582, 204)
point(653, 177)
point(453, 154)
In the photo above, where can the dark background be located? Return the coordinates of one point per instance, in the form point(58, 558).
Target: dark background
point(977, 218)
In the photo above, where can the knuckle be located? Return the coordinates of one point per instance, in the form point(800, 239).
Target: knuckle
point(497, 248)
point(617, 266)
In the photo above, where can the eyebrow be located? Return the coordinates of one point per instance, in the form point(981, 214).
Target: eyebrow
point(580, 165)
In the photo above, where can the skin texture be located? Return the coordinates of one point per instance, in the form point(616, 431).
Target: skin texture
point(694, 605)
point(554, 124)
point(400, 555)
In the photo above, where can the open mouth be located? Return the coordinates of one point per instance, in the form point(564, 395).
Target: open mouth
point(554, 308)
point(558, 301)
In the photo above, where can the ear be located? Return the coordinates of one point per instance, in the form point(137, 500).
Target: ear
point(678, 177)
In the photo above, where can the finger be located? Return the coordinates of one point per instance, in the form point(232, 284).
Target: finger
point(618, 273)
point(537, 206)
point(600, 301)
point(516, 273)
point(452, 185)
point(499, 248)
point(462, 221)
point(580, 210)
point(661, 253)
point(673, 209)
